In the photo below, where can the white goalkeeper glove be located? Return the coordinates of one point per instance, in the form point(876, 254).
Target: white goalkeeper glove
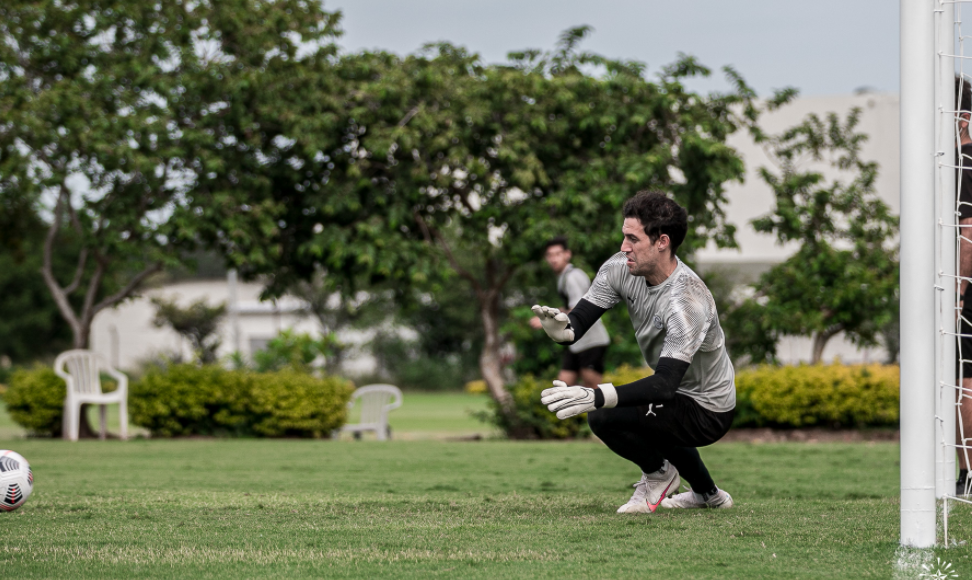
point(555, 323)
point(568, 402)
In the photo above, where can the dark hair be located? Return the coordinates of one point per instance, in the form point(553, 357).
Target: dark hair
point(558, 241)
point(659, 215)
point(963, 93)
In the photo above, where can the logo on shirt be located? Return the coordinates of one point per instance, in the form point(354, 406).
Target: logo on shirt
point(657, 322)
point(652, 412)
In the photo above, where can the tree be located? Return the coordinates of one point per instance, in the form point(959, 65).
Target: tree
point(406, 169)
point(197, 323)
point(336, 309)
point(30, 325)
point(102, 103)
point(844, 276)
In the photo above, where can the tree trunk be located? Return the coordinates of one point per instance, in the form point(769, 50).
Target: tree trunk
point(820, 340)
point(490, 362)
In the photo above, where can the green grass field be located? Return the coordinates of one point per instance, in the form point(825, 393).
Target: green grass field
point(426, 508)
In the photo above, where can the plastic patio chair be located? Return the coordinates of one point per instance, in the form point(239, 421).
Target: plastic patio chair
point(81, 370)
point(376, 401)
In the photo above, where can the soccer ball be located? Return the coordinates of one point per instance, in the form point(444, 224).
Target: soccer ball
point(16, 480)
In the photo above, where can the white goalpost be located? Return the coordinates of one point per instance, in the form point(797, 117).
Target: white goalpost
point(931, 380)
point(918, 275)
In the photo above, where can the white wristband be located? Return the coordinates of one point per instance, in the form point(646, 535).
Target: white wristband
point(610, 395)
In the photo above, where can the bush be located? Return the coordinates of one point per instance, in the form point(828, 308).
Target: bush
point(294, 351)
point(531, 419)
point(35, 400)
point(184, 399)
point(189, 400)
point(833, 395)
point(292, 404)
point(625, 374)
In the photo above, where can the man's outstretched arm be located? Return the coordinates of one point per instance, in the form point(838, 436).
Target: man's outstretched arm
point(568, 328)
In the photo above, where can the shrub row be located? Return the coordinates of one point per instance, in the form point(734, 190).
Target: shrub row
point(834, 395)
point(183, 400)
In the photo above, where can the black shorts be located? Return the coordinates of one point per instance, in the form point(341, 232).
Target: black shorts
point(592, 358)
point(963, 352)
point(679, 422)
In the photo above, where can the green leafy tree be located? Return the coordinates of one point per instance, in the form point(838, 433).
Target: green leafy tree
point(197, 323)
point(844, 275)
point(102, 107)
point(408, 169)
point(30, 326)
point(335, 309)
point(294, 351)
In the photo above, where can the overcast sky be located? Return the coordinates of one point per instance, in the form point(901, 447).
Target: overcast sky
point(824, 47)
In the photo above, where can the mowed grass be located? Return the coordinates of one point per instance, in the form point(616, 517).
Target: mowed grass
point(427, 506)
point(427, 509)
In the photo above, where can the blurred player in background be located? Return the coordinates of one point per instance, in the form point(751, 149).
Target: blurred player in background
point(586, 356)
point(657, 422)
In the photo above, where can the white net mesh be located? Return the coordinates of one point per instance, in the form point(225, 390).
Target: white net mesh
point(954, 265)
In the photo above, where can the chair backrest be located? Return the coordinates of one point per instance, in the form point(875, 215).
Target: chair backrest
point(376, 401)
point(80, 370)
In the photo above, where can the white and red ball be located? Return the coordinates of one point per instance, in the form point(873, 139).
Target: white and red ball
point(16, 480)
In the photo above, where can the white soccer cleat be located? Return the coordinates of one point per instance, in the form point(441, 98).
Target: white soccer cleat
point(651, 490)
point(690, 499)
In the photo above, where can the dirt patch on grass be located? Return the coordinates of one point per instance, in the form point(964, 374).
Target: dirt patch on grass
point(814, 435)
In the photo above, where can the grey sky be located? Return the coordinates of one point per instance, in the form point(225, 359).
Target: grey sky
point(822, 47)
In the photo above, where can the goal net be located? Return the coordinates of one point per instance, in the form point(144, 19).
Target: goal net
point(953, 357)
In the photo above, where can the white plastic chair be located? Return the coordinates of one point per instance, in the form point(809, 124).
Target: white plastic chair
point(376, 401)
point(81, 370)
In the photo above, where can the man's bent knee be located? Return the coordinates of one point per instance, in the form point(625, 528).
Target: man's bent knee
point(599, 420)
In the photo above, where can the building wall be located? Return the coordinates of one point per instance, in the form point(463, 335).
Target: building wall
point(126, 335)
point(753, 198)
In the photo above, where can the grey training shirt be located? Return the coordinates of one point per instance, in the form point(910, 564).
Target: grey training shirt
point(572, 284)
point(675, 319)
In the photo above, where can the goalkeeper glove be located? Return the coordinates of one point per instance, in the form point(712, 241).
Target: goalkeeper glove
point(568, 402)
point(555, 323)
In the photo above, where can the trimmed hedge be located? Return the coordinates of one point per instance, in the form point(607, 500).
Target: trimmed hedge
point(186, 400)
point(35, 400)
point(834, 395)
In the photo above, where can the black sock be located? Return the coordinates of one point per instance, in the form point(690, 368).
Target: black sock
point(963, 475)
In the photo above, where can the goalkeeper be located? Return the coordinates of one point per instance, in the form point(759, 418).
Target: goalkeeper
point(657, 422)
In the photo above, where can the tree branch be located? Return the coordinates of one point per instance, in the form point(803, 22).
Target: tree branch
point(83, 257)
point(128, 289)
point(429, 234)
point(408, 116)
point(47, 268)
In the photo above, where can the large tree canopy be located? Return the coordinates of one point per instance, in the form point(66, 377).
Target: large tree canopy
point(411, 168)
point(101, 109)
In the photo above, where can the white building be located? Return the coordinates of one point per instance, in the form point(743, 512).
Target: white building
point(126, 334)
point(127, 337)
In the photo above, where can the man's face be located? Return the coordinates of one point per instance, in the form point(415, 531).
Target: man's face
point(644, 257)
point(558, 258)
